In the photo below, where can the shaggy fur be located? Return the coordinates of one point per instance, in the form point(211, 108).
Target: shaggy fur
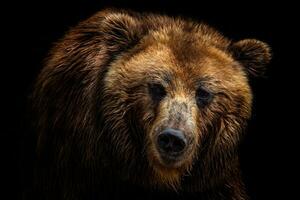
point(96, 121)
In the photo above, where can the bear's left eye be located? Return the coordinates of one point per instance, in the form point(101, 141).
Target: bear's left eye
point(203, 97)
point(157, 91)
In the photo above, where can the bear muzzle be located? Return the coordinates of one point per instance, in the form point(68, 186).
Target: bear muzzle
point(171, 142)
point(172, 145)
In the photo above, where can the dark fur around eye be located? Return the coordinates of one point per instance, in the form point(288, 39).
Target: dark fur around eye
point(156, 91)
point(203, 97)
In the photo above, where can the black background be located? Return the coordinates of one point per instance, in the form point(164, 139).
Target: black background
point(269, 151)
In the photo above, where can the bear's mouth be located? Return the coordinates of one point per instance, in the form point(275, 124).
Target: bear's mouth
point(173, 160)
point(169, 169)
point(170, 161)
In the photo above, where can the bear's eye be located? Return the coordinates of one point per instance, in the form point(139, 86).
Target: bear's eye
point(203, 97)
point(157, 91)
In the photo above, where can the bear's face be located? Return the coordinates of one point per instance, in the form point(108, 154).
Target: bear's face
point(176, 96)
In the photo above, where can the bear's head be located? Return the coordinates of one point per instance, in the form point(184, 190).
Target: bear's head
point(168, 97)
point(179, 95)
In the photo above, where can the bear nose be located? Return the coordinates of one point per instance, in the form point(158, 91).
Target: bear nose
point(171, 141)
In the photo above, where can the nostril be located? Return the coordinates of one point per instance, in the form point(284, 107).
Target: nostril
point(163, 140)
point(178, 145)
point(171, 141)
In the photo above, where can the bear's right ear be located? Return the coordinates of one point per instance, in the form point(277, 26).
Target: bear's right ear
point(120, 30)
point(253, 54)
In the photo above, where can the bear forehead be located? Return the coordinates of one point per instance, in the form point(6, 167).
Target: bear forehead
point(182, 56)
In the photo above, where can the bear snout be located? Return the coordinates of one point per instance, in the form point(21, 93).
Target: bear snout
point(171, 142)
point(172, 145)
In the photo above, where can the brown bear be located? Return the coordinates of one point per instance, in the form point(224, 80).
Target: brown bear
point(143, 105)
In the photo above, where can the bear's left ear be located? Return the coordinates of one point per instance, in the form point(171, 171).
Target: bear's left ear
point(120, 30)
point(253, 54)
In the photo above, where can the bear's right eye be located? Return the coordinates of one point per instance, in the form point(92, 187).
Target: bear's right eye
point(156, 91)
point(203, 97)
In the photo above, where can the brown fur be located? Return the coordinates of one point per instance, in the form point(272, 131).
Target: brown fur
point(96, 121)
